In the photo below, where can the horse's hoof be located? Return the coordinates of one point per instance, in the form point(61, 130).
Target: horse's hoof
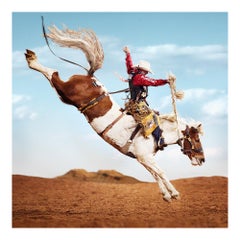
point(167, 197)
point(176, 195)
point(30, 55)
point(30, 52)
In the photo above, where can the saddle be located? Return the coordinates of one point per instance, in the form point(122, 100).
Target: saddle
point(145, 117)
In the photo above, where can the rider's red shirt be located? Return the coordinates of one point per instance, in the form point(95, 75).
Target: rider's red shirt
point(141, 79)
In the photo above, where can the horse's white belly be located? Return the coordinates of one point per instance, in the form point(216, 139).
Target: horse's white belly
point(101, 123)
point(122, 130)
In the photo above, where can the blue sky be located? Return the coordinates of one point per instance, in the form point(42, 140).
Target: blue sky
point(50, 138)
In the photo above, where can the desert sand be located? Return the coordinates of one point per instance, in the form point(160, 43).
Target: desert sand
point(108, 199)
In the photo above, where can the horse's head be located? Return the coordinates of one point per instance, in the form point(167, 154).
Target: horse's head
point(192, 146)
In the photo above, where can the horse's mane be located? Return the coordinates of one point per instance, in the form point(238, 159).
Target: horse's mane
point(83, 39)
point(169, 117)
point(172, 118)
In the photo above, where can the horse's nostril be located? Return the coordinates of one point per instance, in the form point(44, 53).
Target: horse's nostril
point(202, 160)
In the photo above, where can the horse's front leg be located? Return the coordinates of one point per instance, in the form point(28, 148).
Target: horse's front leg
point(33, 63)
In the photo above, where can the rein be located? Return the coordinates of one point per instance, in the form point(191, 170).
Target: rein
point(119, 91)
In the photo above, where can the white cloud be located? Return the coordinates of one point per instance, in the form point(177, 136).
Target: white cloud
point(193, 60)
point(208, 104)
point(18, 59)
point(200, 93)
point(20, 108)
point(23, 112)
point(216, 107)
point(213, 152)
point(196, 71)
point(109, 41)
point(195, 94)
point(20, 112)
point(212, 102)
point(204, 52)
point(16, 98)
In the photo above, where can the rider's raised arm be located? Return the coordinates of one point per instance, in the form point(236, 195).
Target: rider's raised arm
point(129, 63)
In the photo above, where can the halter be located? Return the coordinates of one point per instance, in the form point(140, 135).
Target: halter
point(188, 147)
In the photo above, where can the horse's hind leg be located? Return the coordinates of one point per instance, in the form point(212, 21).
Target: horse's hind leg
point(50, 74)
point(35, 65)
point(148, 163)
point(167, 189)
point(174, 193)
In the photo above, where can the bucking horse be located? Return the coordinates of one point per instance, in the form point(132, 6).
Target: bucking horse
point(107, 118)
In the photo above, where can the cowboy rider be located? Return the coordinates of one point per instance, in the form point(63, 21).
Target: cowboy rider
point(139, 80)
point(138, 84)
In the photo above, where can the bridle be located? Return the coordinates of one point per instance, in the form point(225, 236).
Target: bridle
point(188, 146)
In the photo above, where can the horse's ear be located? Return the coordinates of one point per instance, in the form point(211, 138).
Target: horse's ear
point(186, 131)
point(200, 129)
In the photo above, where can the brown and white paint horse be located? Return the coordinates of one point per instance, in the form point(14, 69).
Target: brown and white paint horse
point(107, 118)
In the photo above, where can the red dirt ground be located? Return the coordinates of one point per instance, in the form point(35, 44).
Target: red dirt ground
point(108, 199)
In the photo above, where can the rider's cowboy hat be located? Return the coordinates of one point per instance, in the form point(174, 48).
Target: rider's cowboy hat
point(144, 65)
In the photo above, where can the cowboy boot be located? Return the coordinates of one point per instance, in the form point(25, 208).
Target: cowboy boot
point(161, 144)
